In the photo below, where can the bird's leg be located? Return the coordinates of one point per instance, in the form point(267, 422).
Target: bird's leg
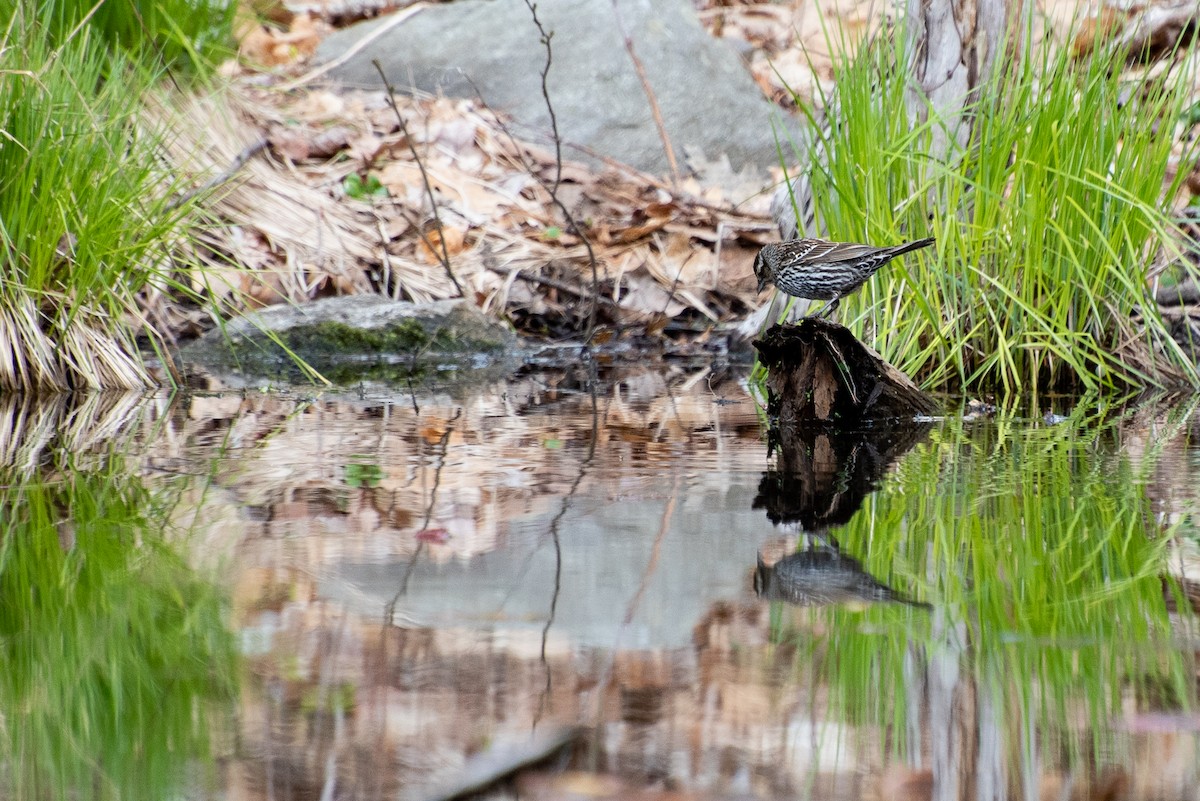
point(829, 309)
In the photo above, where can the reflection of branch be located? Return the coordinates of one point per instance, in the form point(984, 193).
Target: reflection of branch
point(655, 111)
point(606, 679)
point(553, 187)
point(553, 531)
point(652, 565)
point(390, 609)
point(444, 257)
point(437, 473)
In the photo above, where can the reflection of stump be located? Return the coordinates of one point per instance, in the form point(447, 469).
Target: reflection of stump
point(821, 476)
point(818, 371)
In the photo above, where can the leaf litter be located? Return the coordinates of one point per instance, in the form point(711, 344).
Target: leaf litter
point(295, 222)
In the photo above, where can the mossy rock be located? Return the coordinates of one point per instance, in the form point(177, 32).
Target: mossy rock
point(358, 338)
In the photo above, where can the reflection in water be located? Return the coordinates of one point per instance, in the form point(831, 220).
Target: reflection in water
point(822, 476)
point(423, 586)
point(117, 655)
point(822, 574)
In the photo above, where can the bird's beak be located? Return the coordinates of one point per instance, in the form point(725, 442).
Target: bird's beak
point(762, 283)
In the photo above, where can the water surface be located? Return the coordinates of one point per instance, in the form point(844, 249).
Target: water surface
point(375, 595)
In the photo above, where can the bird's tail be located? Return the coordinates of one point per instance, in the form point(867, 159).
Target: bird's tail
point(907, 247)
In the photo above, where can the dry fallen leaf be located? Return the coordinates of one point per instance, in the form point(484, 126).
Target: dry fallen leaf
point(320, 106)
point(330, 142)
point(645, 299)
point(263, 288)
point(274, 48)
point(430, 249)
point(1098, 30)
point(257, 46)
point(289, 144)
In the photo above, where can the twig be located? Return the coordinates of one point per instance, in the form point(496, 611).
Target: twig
point(239, 161)
point(553, 283)
point(553, 188)
point(655, 111)
point(415, 224)
point(391, 99)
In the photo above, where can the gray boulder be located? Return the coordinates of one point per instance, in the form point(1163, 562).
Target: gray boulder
point(709, 102)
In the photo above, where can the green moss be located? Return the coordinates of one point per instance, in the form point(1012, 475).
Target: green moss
point(448, 349)
point(331, 337)
point(334, 339)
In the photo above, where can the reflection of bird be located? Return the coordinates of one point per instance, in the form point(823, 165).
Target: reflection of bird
point(821, 270)
point(821, 576)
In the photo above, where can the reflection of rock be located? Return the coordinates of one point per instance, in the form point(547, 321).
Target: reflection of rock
point(822, 475)
point(822, 575)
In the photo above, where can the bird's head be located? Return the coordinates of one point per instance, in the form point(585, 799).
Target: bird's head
point(762, 270)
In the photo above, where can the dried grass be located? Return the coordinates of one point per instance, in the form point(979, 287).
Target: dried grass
point(73, 355)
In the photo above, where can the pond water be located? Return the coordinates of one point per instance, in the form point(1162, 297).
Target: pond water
point(294, 595)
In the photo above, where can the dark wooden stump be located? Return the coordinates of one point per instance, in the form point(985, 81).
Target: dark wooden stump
point(818, 372)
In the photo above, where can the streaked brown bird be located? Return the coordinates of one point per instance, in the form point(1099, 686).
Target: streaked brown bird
point(819, 270)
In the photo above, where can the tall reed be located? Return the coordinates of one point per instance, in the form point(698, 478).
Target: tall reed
point(1050, 220)
point(86, 210)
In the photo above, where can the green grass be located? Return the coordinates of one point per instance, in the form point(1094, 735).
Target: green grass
point(185, 36)
point(86, 214)
point(1048, 221)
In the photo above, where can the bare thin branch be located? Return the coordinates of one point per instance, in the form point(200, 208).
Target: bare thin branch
point(545, 37)
point(553, 283)
point(444, 256)
point(247, 153)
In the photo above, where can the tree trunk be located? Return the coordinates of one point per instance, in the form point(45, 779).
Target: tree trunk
point(959, 46)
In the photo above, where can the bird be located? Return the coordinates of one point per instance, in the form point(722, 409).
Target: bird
point(817, 269)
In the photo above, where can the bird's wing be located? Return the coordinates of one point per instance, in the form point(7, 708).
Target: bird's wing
point(820, 250)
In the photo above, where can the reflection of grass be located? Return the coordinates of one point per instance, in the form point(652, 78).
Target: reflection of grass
point(1039, 552)
point(114, 652)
